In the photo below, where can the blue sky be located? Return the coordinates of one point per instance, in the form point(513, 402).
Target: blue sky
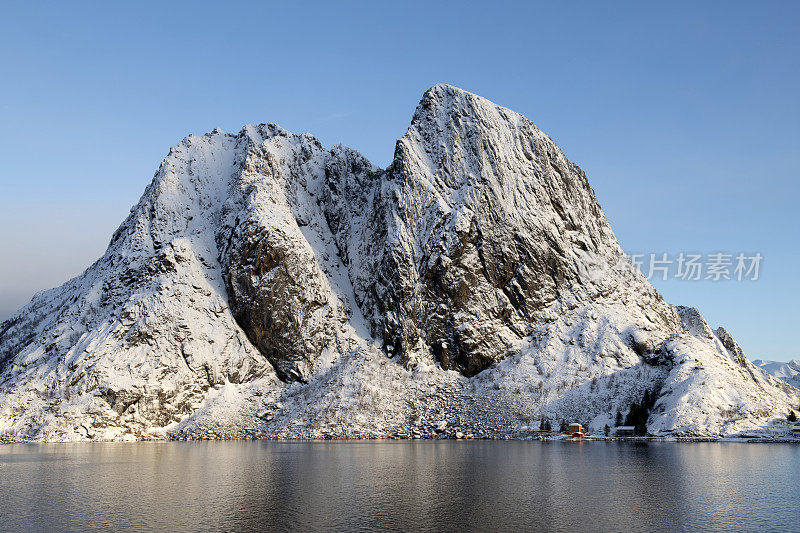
point(684, 115)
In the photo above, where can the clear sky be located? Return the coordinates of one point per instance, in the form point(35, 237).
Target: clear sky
point(684, 115)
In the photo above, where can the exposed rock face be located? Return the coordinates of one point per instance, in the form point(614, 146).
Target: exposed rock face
point(490, 224)
point(141, 336)
point(260, 260)
point(488, 214)
point(278, 291)
point(731, 345)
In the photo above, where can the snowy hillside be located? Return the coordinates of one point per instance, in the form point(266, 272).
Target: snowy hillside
point(267, 286)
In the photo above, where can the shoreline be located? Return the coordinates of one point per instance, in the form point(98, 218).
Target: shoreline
point(539, 438)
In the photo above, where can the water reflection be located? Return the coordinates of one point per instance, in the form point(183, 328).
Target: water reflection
point(410, 485)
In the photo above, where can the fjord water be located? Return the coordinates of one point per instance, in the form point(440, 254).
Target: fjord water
point(400, 486)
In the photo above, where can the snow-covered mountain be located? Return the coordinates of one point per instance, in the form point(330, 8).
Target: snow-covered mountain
point(267, 286)
point(789, 372)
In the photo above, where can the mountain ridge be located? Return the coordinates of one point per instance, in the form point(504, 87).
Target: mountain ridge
point(475, 279)
point(788, 371)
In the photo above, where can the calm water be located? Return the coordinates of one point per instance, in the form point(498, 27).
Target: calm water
point(400, 485)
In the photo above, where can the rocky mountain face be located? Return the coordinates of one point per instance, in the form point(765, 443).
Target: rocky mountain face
point(491, 226)
point(267, 286)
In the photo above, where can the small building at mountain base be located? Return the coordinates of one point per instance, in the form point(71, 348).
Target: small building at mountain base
point(624, 431)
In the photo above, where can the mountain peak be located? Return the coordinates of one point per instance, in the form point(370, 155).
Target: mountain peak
point(444, 100)
point(264, 281)
point(444, 89)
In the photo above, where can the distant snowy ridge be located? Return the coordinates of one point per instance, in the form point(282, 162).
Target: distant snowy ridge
point(788, 372)
point(267, 286)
